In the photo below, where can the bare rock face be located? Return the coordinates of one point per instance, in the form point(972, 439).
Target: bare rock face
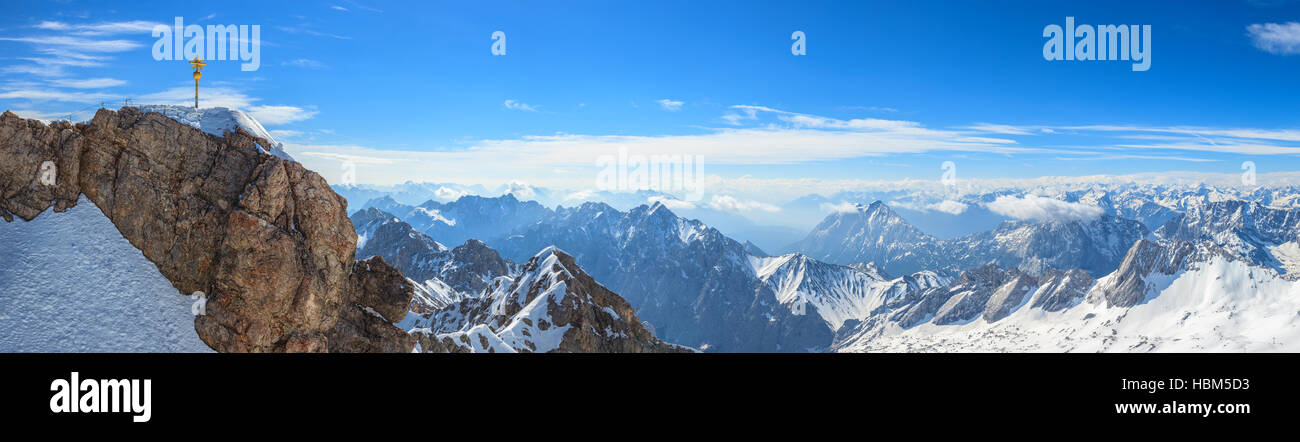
point(267, 240)
point(1129, 286)
point(381, 286)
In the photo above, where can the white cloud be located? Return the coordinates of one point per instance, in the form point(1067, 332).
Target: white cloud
point(843, 207)
point(362, 7)
point(448, 193)
point(1197, 131)
point(1033, 207)
point(88, 83)
point(126, 27)
point(670, 105)
point(1276, 38)
point(41, 115)
point(749, 146)
point(307, 28)
point(339, 8)
point(946, 206)
point(77, 43)
point(732, 204)
point(343, 157)
point(583, 195)
point(1005, 129)
point(56, 95)
point(520, 190)
point(274, 115)
point(222, 96)
point(950, 207)
point(773, 137)
point(742, 113)
point(281, 134)
point(520, 106)
point(304, 63)
point(209, 96)
point(1241, 140)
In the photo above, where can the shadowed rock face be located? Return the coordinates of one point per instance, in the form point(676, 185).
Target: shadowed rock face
point(265, 239)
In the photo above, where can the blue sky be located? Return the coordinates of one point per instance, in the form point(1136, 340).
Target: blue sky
point(887, 90)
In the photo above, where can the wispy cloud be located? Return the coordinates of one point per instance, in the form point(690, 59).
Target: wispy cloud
point(1276, 38)
point(78, 43)
point(211, 96)
point(88, 83)
point(842, 207)
point(306, 28)
point(57, 46)
point(56, 95)
point(946, 206)
point(792, 139)
point(226, 96)
point(1093, 156)
point(276, 115)
point(363, 7)
point(1005, 129)
point(103, 28)
point(520, 106)
point(306, 63)
point(670, 105)
point(732, 204)
point(1241, 140)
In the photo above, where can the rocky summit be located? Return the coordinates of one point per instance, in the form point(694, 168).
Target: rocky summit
point(267, 240)
point(550, 305)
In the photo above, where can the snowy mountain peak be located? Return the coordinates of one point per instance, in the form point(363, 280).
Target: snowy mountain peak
point(550, 305)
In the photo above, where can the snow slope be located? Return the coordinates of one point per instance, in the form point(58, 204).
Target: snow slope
point(69, 282)
point(1221, 305)
point(837, 293)
point(217, 121)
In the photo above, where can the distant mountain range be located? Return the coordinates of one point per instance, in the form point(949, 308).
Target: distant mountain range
point(876, 234)
point(863, 279)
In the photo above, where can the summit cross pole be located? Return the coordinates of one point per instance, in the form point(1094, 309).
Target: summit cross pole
point(198, 68)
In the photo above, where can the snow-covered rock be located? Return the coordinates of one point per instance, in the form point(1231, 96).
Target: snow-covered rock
point(1166, 296)
point(551, 305)
point(219, 120)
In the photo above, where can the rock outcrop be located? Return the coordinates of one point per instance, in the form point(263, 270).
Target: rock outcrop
point(267, 240)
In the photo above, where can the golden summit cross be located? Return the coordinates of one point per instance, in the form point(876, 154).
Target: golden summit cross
point(198, 68)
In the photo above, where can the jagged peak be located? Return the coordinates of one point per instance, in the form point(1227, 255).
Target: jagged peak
point(657, 207)
point(373, 214)
point(552, 252)
point(386, 200)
